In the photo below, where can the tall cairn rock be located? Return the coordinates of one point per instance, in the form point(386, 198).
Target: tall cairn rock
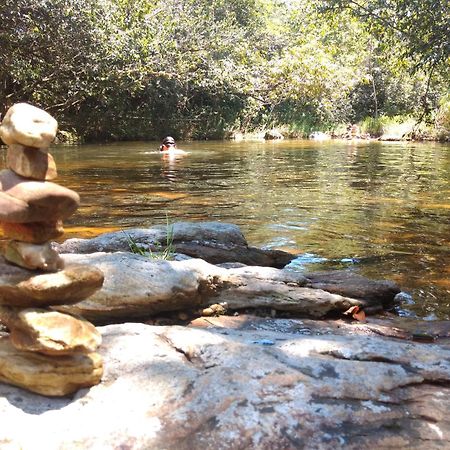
point(45, 351)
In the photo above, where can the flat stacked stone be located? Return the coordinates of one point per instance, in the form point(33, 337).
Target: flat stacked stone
point(47, 352)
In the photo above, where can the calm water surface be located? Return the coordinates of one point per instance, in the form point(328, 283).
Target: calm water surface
point(381, 209)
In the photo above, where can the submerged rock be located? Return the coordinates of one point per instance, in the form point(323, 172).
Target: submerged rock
point(181, 388)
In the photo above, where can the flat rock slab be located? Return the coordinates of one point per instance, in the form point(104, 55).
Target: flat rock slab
point(183, 388)
point(137, 287)
point(214, 242)
point(387, 325)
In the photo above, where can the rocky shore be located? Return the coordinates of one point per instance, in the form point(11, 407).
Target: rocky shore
point(225, 348)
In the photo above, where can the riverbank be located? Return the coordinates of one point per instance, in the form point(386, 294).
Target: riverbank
point(381, 129)
point(257, 373)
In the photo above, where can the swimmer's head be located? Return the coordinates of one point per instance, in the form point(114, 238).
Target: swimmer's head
point(168, 142)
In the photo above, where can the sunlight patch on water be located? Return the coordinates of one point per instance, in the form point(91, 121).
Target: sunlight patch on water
point(306, 260)
point(289, 226)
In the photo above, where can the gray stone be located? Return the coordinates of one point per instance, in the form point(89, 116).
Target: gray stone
point(214, 242)
point(179, 388)
point(353, 285)
point(137, 286)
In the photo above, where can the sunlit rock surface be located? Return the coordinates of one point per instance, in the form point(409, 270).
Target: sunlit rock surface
point(46, 375)
point(49, 332)
point(215, 388)
point(27, 125)
point(137, 286)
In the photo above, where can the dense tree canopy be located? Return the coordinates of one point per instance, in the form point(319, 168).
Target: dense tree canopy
point(137, 69)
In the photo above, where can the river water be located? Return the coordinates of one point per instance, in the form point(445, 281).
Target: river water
point(380, 209)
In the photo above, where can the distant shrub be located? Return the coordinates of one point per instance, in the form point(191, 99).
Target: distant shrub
point(443, 118)
point(396, 127)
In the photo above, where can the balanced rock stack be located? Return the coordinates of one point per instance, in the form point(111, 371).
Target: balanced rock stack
point(45, 351)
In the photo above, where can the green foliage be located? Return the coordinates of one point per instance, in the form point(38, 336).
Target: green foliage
point(443, 119)
point(122, 69)
point(418, 28)
point(396, 126)
point(412, 36)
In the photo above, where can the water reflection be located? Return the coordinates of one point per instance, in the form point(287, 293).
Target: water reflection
point(380, 209)
point(172, 166)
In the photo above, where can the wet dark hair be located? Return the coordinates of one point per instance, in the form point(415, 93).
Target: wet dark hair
point(169, 140)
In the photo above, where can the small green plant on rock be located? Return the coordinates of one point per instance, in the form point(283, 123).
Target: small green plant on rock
point(165, 252)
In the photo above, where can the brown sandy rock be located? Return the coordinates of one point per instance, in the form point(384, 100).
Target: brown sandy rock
point(27, 125)
point(32, 256)
point(30, 162)
point(70, 285)
point(48, 375)
point(49, 332)
point(46, 200)
point(13, 208)
point(33, 232)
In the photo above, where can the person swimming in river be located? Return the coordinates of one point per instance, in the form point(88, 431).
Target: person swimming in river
point(168, 146)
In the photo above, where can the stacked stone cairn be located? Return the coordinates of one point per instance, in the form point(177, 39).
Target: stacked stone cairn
point(45, 351)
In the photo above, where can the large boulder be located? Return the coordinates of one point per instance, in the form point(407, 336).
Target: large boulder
point(214, 242)
point(215, 388)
